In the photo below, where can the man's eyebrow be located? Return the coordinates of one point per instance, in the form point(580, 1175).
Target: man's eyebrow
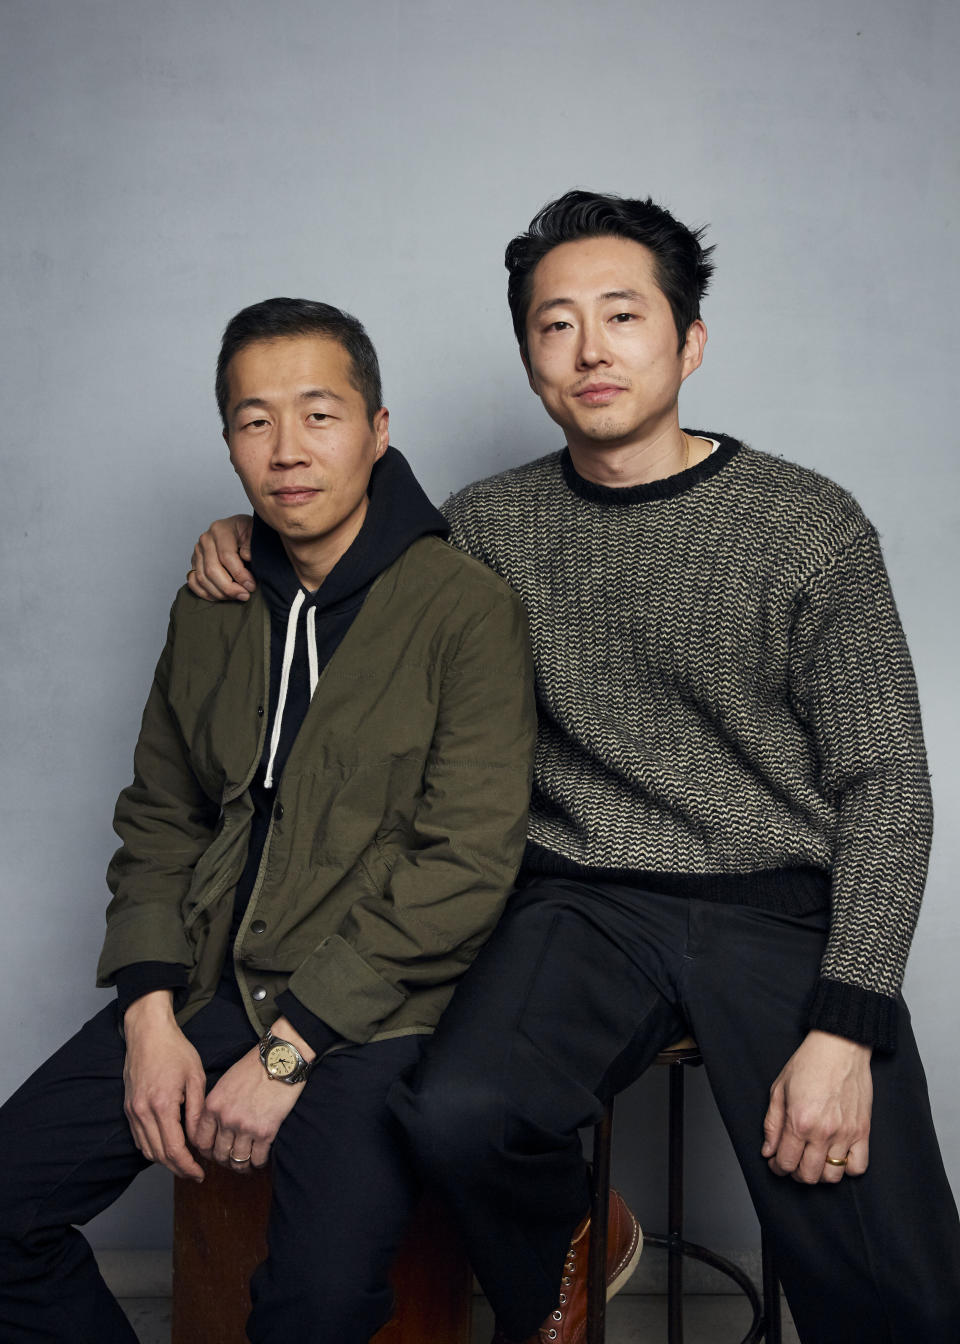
point(547, 304)
point(326, 393)
point(246, 404)
point(631, 296)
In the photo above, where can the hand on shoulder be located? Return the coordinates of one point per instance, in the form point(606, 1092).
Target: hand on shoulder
point(218, 572)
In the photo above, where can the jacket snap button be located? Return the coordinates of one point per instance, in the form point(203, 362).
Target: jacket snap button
point(259, 711)
point(258, 994)
point(278, 812)
point(258, 926)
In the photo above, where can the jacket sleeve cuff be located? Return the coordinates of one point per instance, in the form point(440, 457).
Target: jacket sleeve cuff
point(313, 1029)
point(143, 977)
point(859, 1014)
point(338, 986)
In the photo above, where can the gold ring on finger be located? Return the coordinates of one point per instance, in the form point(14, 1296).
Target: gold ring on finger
point(837, 1161)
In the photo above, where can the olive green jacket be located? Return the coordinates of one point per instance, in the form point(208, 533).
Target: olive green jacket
point(399, 820)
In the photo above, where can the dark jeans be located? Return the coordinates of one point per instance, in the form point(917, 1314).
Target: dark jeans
point(571, 999)
point(343, 1190)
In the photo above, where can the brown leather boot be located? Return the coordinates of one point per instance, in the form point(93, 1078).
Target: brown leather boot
point(567, 1323)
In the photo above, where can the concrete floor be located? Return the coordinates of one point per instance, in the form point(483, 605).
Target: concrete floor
point(631, 1319)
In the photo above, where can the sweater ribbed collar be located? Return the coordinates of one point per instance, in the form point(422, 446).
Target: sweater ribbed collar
point(666, 488)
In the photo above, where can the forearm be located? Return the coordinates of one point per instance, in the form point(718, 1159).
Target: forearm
point(883, 839)
point(853, 680)
point(166, 823)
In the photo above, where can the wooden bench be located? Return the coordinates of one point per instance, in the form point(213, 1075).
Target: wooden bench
point(219, 1238)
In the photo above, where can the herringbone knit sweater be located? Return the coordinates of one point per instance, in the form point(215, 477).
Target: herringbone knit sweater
point(727, 705)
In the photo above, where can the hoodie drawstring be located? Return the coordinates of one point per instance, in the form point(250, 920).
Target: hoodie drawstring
point(288, 647)
point(312, 649)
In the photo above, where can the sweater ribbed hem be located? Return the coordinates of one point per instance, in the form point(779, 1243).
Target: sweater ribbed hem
point(859, 1014)
point(790, 891)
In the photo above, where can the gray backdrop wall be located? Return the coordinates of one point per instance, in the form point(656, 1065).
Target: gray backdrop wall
point(166, 164)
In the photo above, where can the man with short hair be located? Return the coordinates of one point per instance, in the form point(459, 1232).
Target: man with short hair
point(328, 810)
point(729, 825)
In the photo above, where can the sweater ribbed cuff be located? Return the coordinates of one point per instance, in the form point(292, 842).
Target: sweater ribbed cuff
point(859, 1014)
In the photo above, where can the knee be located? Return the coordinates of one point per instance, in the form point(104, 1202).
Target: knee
point(449, 1120)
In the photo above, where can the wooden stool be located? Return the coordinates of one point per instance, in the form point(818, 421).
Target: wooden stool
point(766, 1317)
point(219, 1238)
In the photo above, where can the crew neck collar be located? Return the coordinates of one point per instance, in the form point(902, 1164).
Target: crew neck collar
point(665, 488)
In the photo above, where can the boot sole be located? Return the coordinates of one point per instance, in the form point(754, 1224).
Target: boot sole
point(629, 1263)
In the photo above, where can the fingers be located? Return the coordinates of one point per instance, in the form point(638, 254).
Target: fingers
point(223, 1146)
point(159, 1135)
point(240, 1152)
point(834, 1165)
point(194, 1095)
point(248, 1154)
point(819, 1159)
point(204, 1133)
point(174, 1153)
point(797, 1146)
point(788, 1154)
point(231, 1147)
point(218, 571)
point(260, 1153)
point(215, 1139)
point(812, 1165)
point(858, 1158)
point(773, 1121)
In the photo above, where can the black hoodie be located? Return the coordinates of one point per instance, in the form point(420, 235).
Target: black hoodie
point(311, 622)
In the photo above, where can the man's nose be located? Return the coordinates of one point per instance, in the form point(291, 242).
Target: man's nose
point(288, 445)
point(593, 348)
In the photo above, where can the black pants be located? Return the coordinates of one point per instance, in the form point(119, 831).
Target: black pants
point(578, 989)
point(343, 1189)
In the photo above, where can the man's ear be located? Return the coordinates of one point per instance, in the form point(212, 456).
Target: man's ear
point(381, 426)
point(226, 439)
point(692, 353)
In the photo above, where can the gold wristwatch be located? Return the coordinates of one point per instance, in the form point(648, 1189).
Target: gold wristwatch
point(282, 1060)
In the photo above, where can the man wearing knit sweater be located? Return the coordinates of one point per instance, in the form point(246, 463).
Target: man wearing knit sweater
point(729, 826)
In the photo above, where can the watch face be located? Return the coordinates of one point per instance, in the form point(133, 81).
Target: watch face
point(281, 1060)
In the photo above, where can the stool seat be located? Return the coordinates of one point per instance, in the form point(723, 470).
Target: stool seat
point(765, 1323)
point(684, 1051)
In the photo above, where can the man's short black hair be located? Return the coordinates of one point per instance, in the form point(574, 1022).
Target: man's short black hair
point(682, 266)
point(276, 318)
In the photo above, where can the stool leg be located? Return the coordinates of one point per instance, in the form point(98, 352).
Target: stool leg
point(675, 1207)
point(599, 1210)
point(771, 1293)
